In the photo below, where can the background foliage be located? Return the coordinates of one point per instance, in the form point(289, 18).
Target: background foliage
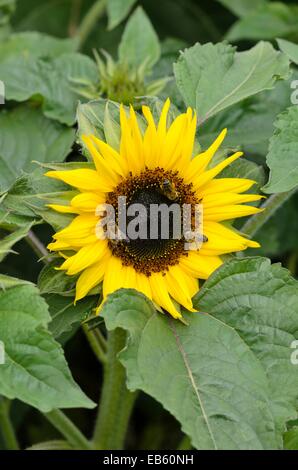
point(232, 386)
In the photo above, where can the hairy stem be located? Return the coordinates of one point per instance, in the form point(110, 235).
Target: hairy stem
point(6, 427)
point(97, 343)
point(270, 206)
point(116, 402)
point(38, 247)
point(68, 429)
point(89, 21)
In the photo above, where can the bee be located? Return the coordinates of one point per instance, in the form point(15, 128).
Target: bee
point(197, 238)
point(168, 189)
point(115, 236)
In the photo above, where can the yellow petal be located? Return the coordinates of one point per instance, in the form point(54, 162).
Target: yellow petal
point(162, 125)
point(110, 156)
point(88, 202)
point(210, 174)
point(86, 180)
point(223, 240)
point(160, 294)
point(229, 212)
point(173, 146)
point(63, 209)
point(59, 245)
point(143, 285)
point(90, 278)
point(198, 265)
point(226, 199)
point(229, 185)
point(105, 169)
point(85, 257)
point(137, 137)
point(113, 278)
point(199, 163)
point(128, 147)
point(226, 235)
point(81, 227)
point(150, 142)
point(180, 288)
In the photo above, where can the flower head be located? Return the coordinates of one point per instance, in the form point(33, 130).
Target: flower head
point(153, 166)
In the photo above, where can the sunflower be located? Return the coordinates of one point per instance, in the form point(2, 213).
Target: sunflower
point(147, 156)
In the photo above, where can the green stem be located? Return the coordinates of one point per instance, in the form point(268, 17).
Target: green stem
point(96, 342)
point(74, 17)
point(270, 206)
point(38, 247)
point(6, 426)
point(116, 402)
point(66, 427)
point(90, 20)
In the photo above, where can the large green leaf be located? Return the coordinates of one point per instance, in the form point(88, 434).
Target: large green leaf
point(260, 301)
point(249, 123)
point(204, 373)
point(282, 155)
point(26, 135)
point(139, 42)
point(213, 77)
point(270, 20)
point(35, 370)
point(32, 71)
point(118, 10)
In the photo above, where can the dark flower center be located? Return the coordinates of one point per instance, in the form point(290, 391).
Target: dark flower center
point(166, 191)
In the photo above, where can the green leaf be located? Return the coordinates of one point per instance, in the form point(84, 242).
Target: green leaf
point(35, 45)
point(271, 20)
point(289, 48)
point(291, 439)
point(259, 301)
point(243, 74)
point(8, 241)
point(274, 236)
point(30, 70)
point(139, 42)
point(53, 281)
point(118, 10)
point(282, 155)
point(51, 445)
point(102, 118)
point(204, 373)
point(27, 199)
point(35, 370)
point(67, 317)
point(242, 7)
point(249, 123)
point(26, 135)
point(90, 117)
